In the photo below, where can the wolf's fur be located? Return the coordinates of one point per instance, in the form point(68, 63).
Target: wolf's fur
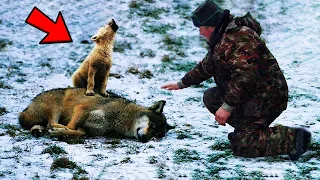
point(70, 112)
point(94, 71)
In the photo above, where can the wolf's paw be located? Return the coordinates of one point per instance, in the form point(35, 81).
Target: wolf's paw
point(57, 131)
point(37, 130)
point(90, 93)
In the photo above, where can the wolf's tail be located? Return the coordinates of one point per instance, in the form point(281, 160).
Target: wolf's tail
point(27, 119)
point(24, 120)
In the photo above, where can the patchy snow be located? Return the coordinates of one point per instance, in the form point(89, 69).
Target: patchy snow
point(291, 30)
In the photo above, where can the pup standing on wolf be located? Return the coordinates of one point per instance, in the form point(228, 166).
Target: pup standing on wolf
point(94, 71)
point(70, 112)
point(251, 89)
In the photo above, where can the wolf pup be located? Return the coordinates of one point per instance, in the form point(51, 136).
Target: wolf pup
point(70, 112)
point(94, 71)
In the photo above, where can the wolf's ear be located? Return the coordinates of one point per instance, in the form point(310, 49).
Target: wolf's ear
point(157, 107)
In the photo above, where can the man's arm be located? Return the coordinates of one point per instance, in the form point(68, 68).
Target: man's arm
point(203, 71)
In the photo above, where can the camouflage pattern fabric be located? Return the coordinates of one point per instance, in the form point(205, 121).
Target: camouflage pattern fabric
point(248, 78)
point(263, 142)
point(253, 136)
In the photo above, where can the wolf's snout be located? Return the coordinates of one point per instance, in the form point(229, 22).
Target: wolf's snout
point(141, 135)
point(143, 138)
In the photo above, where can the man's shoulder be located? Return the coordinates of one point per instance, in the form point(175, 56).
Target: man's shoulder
point(241, 34)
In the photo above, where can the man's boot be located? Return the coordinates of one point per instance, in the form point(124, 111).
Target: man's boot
point(303, 138)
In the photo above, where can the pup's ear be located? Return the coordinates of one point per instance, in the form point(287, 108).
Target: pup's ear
point(113, 25)
point(157, 107)
point(94, 38)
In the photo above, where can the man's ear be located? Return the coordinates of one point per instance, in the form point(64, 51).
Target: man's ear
point(157, 107)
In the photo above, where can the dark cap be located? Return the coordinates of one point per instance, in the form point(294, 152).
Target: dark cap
point(207, 14)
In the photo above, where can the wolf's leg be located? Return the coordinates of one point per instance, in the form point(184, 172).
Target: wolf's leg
point(78, 116)
point(66, 132)
point(54, 120)
point(104, 84)
point(90, 86)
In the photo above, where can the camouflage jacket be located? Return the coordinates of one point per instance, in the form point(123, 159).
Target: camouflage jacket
point(244, 69)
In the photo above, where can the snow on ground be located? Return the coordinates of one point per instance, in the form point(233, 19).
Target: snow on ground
point(27, 68)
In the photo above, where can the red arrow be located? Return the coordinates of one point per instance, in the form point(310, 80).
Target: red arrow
point(57, 32)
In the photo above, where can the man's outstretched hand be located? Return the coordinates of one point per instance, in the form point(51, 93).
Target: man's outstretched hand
point(171, 86)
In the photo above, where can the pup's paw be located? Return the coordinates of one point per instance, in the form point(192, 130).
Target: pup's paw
point(57, 131)
point(37, 130)
point(105, 94)
point(90, 93)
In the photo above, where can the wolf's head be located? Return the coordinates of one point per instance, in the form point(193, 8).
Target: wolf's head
point(152, 123)
point(106, 34)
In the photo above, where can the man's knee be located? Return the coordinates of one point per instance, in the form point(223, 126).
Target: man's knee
point(212, 99)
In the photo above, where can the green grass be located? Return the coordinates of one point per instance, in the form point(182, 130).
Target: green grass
point(167, 58)
point(122, 46)
point(3, 85)
point(133, 4)
point(171, 40)
point(183, 9)
point(305, 170)
point(114, 143)
point(21, 80)
point(54, 150)
point(174, 44)
point(213, 170)
point(213, 158)
point(183, 135)
point(199, 174)
point(148, 53)
point(11, 129)
point(145, 11)
point(176, 67)
point(3, 111)
point(161, 171)
point(155, 28)
point(72, 139)
point(153, 160)
point(193, 99)
point(133, 70)
point(184, 67)
point(294, 95)
point(99, 157)
point(142, 74)
point(185, 155)
point(220, 145)
point(4, 44)
point(66, 163)
point(133, 149)
point(146, 74)
point(125, 160)
point(291, 175)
